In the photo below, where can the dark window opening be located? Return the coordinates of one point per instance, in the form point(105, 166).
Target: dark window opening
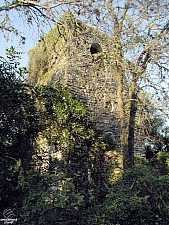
point(95, 48)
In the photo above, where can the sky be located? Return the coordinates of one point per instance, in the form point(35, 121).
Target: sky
point(32, 38)
point(30, 43)
point(30, 32)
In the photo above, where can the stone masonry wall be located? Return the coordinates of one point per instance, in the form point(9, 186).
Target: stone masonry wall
point(91, 79)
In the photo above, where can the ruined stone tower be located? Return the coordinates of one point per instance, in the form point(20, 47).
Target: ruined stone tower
point(79, 56)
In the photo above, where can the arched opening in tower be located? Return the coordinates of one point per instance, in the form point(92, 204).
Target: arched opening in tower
point(95, 48)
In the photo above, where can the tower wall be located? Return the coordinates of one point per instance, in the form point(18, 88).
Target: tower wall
point(90, 77)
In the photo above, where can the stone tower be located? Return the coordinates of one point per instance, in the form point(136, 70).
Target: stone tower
point(79, 56)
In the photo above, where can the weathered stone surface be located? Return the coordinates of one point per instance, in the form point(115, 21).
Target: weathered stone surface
point(90, 77)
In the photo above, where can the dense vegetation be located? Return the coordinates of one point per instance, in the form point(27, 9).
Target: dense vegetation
point(87, 184)
point(83, 187)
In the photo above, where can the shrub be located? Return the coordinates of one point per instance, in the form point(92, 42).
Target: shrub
point(142, 201)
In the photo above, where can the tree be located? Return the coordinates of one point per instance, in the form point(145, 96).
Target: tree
point(19, 127)
point(32, 13)
point(50, 112)
point(139, 34)
point(139, 37)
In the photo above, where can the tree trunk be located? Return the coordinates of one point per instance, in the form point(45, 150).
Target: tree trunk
point(126, 124)
point(127, 121)
point(119, 60)
point(123, 126)
point(131, 126)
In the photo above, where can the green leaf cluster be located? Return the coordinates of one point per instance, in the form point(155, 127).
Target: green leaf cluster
point(19, 127)
point(141, 197)
point(52, 113)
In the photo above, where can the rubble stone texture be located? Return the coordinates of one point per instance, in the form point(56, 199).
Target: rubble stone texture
point(70, 59)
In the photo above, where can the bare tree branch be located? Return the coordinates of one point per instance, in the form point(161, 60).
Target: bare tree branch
point(24, 3)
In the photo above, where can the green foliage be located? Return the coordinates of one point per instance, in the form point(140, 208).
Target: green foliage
point(51, 199)
point(65, 193)
point(140, 198)
point(10, 68)
point(18, 129)
point(54, 114)
point(161, 162)
point(76, 189)
point(63, 116)
point(144, 202)
point(67, 128)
